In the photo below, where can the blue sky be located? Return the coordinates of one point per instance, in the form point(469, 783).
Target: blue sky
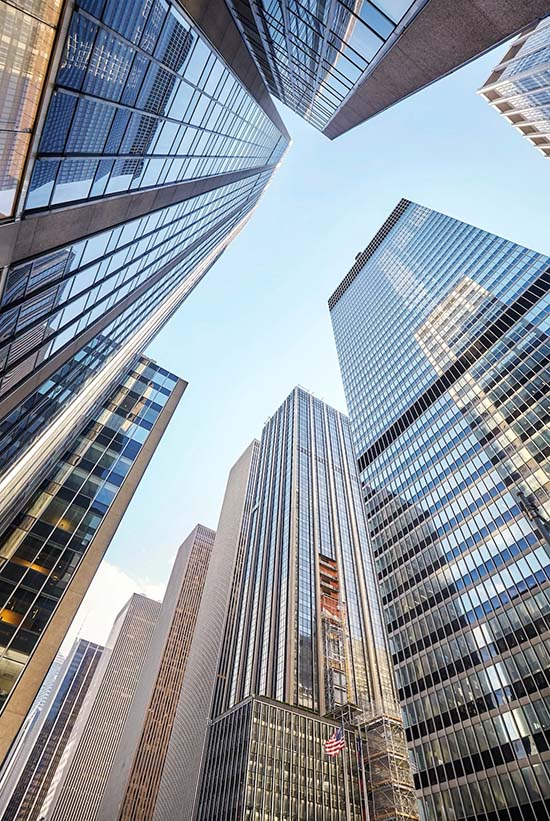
point(258, 324)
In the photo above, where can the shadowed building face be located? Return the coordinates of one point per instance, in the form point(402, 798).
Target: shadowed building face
point(338, 63)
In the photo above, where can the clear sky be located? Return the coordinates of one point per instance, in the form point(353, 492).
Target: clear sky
point(258, 324)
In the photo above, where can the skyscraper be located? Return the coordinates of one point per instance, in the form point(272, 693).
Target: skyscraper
point(32, 771)
point(138, 139)
point(442, 336)
point(135, 774)
point(303, 641)
point(79, 785)
point(180, 776)
point(51, 549)
point(338, 64)
point(519, 86)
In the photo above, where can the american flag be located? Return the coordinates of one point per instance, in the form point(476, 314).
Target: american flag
point(335, 743)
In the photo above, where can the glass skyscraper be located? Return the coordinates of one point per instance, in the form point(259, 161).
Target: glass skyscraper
point(133, 154)
point(304, 641)
point(338, 63)
point(57, 540)
point(34, 766)
point(519, 86)
point(136, 139)
point(442, 335)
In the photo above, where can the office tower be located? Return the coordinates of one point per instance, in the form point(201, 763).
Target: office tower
point(13, 760)
point(137, 138)
point(442, 336)
point(50, 551)
point(338, 64)
point(32, 771)
point(176, 794)
point(79, 785)
point(303, 640)
point(136, 770)
point(519, 86)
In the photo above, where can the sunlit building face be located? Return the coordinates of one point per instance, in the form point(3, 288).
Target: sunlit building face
point(443, 338)
point(518, 88)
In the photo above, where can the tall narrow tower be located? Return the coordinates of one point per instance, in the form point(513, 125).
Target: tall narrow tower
point(79, 784)
point(135, 773)
point(304, 646)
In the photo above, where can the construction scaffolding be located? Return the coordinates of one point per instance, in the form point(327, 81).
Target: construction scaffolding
point(332, 626)
point(388, 770)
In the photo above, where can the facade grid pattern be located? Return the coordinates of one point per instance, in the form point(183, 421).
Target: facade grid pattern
point(59, 715)
point(41, 550)
point(458, 500)
point(145, 776)
point(519, 87)
point(81, 782)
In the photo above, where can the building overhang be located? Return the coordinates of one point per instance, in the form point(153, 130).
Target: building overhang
point(443, 36)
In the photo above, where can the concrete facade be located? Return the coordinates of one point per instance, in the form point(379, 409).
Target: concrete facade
point(444, 35)
point(79, 785)
point(181, 772)
point(135, 775)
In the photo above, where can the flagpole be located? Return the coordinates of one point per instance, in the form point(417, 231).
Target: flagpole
point(365, 788)
point(346, 785)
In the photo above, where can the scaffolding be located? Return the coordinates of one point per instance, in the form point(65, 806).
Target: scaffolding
point(388, 769)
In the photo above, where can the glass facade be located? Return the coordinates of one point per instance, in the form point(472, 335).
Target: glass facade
point(442, 335)
point(42, 549)
point(50, 301)
point(519, 87)
point(304, 629)
point(142, 100)
point(266, 761)
point(143, 113)
point(27, 33)
point(38, 760)
point(306, 611)
point(313, 55)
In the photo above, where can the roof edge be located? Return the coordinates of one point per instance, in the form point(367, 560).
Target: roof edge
point(365, 255)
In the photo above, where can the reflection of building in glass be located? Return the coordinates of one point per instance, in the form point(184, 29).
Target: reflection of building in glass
point(79, 783)
point(27, 42)
point(519, 87)
point(312, 56)
point(135, 772)
point(149, 147)
point(37, 759)
point(442, 335)
point(53, 546)
point(337, 63)
point(303, 642)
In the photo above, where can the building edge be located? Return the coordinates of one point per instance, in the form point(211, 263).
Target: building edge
point(31, 679)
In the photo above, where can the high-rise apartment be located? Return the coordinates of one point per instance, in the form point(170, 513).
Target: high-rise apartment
point(442, 335)
point(135, 774)
point(519, 86)
point(303, 642)
point(79, 784)
point(24, 788)
point(52, 548)
point(137, 138)
point(338, 63)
